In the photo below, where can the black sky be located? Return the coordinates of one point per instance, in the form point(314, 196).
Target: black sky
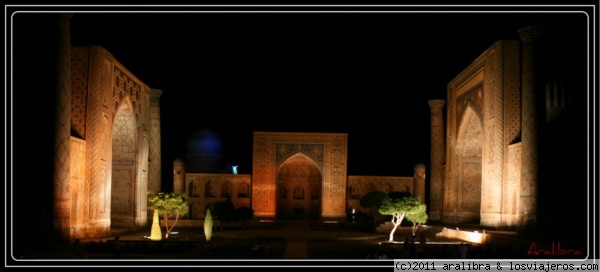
point(366, 73)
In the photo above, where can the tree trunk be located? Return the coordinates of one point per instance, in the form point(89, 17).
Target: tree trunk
point(173, 225)
point(392, 232)
point(374, 212)
point(415, 228)
point(396, 224)
point(166, 226)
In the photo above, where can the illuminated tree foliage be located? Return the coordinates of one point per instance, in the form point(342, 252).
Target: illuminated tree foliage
point(400, 208)
point(418, 217)
point(169, 205)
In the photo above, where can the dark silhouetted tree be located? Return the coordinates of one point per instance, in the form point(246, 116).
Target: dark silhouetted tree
point(224, 211)
point(244, 214)
point(371, 202)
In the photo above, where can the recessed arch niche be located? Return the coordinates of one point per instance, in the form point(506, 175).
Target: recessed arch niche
point(303, 174)
point(469, 167)
point(318, 154)
point(123, 167)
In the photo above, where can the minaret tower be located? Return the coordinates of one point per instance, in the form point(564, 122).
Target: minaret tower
point(178, 176)
point(62, 132)
point(438, 155)
point(532, 118)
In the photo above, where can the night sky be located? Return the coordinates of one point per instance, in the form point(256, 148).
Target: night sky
point(366, 73)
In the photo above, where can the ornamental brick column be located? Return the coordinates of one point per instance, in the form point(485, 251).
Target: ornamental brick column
point(62, 132)
point(437, 159)
point(154, 169)
point(532, 114)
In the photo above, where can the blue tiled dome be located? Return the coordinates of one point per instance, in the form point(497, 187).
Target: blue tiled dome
point(203, 152)
point(204, 142)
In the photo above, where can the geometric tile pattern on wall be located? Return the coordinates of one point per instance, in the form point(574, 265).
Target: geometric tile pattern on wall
point(123, 147)
point(154, 171)
point(493, 124)
point(79, 77)
point(469, 151)
point(470, 187)
point(97, 131)
point(472, 98)
point(284, 150)
point(125, 86)
point(124, 151)
point(530, 113)
point(514, 178)
point(121, 191)
point(62, 131)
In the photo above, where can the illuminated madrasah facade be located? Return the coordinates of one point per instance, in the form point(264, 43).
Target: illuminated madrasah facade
point(294, 176)
point(485, 152)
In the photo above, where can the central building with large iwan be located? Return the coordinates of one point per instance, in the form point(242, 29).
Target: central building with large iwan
point(294, 176)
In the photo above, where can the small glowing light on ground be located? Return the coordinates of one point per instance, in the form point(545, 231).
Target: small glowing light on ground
point(391, 242)
point(475, 237)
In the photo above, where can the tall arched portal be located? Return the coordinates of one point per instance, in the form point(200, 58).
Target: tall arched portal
point(469, 164)
point(123, 167)
point(299, 183)
point(483, 140)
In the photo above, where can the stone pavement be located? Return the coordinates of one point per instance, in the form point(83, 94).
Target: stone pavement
point(295, 250)
point(286, 239)
point(297, 235)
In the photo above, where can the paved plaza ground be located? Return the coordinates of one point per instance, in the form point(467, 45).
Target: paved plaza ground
point(286, 240)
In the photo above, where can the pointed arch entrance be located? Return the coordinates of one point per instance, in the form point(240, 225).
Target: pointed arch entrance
point(123, 167)
point(309, 164)
point(469, 167)
point(299, 183)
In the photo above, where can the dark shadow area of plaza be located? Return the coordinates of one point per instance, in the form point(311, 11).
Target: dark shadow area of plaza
point(300, 240)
